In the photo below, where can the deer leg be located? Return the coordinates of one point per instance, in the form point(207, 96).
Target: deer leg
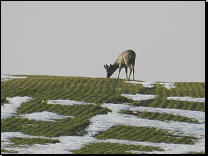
point(119, 71)
point(130, 71)
point(126, 70)
point(133, 73)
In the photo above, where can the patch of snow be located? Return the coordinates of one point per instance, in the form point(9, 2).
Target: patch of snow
point(44, 116)
point(168, 85)
point(149, 84)
point(142, 97)
point(115, 108)
point(145, 84)
point(8, 109)
point(139, 97)
point(187, 98)
point(7, 77)
point(66, 102)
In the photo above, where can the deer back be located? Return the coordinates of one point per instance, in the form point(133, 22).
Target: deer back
point(127, 58)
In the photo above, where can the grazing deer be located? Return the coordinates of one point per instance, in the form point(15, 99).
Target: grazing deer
point(125, 59)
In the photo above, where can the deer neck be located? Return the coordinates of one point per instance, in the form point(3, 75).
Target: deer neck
point(115, 66)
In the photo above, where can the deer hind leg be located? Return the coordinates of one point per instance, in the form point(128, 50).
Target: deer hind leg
point(131, 69)
point(126, 70)
point(133, 73)
point(130, 72)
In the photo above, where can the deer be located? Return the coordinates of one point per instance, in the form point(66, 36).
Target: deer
point(125, 60)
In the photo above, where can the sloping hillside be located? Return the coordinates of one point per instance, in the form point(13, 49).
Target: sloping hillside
point(56, 114)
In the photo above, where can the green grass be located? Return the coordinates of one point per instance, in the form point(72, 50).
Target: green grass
point(113, 148)
point(160, 116)
point(3, 100)
point(162, 102)
point(132, 133)
point(68, 126)
point(31, 141)
point(195, 153)
point(97, 91)
point(8, 151)
point(192, 89)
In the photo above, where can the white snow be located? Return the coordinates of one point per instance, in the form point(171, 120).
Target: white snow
point(168, 85)
point(8, 109)
point(142, 97)
point(150, 84)
point(44, 116)
point(66, 102)
point(7, 77)
point(146, 84)
point(139, 97)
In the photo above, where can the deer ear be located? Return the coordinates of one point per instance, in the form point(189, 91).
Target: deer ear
point(105, 66)
point(110, 65)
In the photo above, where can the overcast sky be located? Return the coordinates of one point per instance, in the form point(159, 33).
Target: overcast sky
point(67, 38)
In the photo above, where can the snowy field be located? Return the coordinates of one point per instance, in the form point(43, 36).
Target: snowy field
point(7, 77)
point(104, 122)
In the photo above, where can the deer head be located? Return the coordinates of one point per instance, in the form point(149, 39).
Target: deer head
point(109, 69)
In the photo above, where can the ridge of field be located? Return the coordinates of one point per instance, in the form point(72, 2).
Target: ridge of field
point(95, 91)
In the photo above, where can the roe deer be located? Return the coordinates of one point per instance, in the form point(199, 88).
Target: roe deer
point(125, 59)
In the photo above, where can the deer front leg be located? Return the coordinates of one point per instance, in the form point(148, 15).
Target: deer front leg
point(119, 71)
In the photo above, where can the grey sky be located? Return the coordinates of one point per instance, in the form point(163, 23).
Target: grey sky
point(69, 38)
